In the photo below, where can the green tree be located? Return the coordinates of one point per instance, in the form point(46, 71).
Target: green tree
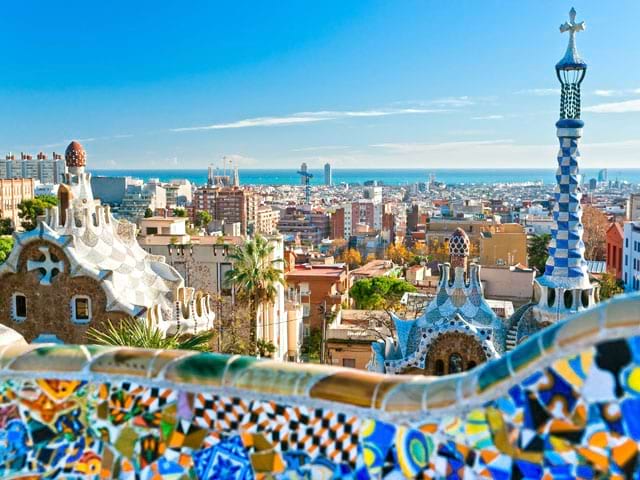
point(538, 250)
point(30, 210)
point(265, 348)
point(203, 218)
point(148, 213)
point(311, 345)
point(5, 226)
point(6, 244)
point(179, 212)
point(254, 277)
point(379, 293)
point(609, 286)
point(136, 332)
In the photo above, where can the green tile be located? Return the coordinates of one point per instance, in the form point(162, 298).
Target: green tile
point(524, 354)
point(492, 372)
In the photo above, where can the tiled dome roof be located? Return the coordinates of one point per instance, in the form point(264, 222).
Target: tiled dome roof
point(75, 156)
point(459, 243)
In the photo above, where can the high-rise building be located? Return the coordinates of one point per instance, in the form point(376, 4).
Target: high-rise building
point(603, 175)
point(41, 168)
point(266, 220)
point(228, 204)
point(327, 174)
point(309, 227)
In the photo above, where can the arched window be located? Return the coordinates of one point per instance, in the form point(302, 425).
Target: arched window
point(471, 365)
point(568, 298)
point(551, 297)
point(455, 363)
point(585, 298)
point(439, 367)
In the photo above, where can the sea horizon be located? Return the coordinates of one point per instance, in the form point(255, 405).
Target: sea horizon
point(387, 176)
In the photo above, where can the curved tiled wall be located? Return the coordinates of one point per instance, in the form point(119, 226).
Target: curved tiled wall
point(566, 403)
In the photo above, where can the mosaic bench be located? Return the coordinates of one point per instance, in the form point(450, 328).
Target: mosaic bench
point(564, 404)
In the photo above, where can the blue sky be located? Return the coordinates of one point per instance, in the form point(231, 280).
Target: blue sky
point(164, 84)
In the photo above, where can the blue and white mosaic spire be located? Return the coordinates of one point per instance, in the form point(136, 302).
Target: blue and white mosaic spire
point(566, 266)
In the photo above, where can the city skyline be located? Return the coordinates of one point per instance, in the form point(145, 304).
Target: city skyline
point(375, 85)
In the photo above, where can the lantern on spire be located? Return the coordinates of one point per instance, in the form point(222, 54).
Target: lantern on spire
point(571, 70)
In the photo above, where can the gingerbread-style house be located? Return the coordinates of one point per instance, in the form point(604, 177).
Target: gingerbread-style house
point(82, 267)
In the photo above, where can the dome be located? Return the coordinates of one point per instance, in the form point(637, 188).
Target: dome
point(75, 156)
point(459, 243)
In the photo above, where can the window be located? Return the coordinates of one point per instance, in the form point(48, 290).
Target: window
point(19, 307)
point(455, 363)
point(568, 299)
point(585, 298)
point(81, 309)
point(439, 367)
point(471, 365)
point(152, 230)
point(551, 297)
point(349, 362)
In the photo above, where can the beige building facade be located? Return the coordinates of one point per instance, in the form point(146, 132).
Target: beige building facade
point(12, 192)
point(503, 245)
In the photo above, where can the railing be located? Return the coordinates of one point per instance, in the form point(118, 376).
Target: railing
point(564, 403)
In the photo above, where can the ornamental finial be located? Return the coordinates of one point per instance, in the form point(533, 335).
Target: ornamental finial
point(571, 59)
point(571, 26)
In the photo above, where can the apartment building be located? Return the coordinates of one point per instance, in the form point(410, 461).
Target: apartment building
point(12, 192)
point(631, 256)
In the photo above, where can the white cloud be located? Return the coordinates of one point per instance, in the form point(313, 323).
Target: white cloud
point(453, 101)
point(606, 93)
point(615, 107)
point(253, 122)
point(616, 93)
point(309, 117)
point(488, 117)
point(320, 148)
point(539, 92)
point(428, 147)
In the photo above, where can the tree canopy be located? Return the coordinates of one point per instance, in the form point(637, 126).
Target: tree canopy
point(30, 210)
point(352, 258)
point(595, 224)
point(379, 293)
point(538, 250)
point(6, 244)
point(5, 226)
point(609, 286)
point(203, 218)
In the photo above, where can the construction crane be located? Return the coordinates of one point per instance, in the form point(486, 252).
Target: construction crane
point(306, 181)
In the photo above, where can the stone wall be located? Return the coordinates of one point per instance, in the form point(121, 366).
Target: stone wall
point(564, 404)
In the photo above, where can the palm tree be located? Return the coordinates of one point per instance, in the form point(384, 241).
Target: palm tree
point(135, 332)
point(254, 277)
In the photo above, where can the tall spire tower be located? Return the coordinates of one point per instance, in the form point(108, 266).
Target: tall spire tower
point(565, 286)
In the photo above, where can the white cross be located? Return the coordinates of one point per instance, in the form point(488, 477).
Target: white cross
point(48, 265)
point(571, 26)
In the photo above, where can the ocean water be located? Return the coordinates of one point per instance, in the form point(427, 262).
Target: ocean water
point(386, 176)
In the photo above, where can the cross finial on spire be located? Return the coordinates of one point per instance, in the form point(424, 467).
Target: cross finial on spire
point(571, 26)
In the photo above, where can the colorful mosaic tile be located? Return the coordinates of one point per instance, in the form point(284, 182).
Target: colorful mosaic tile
point(575, 415)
